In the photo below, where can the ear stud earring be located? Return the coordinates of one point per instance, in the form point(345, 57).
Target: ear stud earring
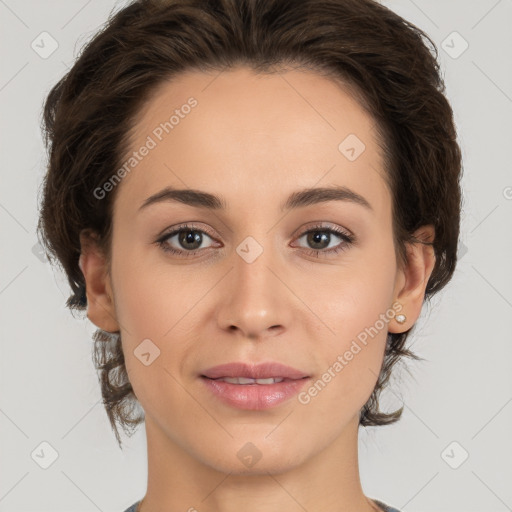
point(400, 318)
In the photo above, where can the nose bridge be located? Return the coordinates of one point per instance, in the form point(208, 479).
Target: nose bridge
point(253, 302)
point(252, 261)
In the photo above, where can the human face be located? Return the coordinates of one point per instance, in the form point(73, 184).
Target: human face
point(253, 140)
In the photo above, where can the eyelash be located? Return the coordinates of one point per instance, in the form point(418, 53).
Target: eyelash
point(348, 240)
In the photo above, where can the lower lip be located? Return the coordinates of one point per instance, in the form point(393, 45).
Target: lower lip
point(254, 396)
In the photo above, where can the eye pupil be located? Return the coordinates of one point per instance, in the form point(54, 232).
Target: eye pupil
point(190, 237)
point(318, 237)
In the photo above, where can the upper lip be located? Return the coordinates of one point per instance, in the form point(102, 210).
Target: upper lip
point(254, 371)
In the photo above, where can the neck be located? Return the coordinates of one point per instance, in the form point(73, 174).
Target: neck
point(328, 482)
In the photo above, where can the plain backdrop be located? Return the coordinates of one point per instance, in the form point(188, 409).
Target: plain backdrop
point(452, 449)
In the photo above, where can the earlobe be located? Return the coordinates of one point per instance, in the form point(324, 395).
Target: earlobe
point(413, 279)
point(98, 288)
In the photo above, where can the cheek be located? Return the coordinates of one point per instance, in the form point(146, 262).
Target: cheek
point(357, 310)
point(350, 360)
point(150, 298)
point(354, 295)
point(150, 312)
point(155, 303)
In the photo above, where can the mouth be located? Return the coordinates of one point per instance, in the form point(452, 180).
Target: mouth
point(253, 394)
point(248, 373)
point(248, 381)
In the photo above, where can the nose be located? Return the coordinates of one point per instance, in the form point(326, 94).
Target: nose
point(255, 302)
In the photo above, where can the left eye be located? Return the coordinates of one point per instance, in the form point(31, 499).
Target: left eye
point(318, 238)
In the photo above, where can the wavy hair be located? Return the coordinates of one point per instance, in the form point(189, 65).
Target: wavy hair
point(388, 64)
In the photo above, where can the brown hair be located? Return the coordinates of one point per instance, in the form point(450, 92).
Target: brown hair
point(389, 64)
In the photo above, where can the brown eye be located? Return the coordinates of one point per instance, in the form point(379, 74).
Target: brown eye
point(190, 239)
point(185, 240)
point(324, 240)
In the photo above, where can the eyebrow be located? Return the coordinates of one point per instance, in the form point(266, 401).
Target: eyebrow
point(298, 199)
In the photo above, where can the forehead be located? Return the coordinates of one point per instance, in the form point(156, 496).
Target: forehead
point(250, 137)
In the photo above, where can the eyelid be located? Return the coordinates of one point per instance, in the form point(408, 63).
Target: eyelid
point(323, 225)
point(191, 226)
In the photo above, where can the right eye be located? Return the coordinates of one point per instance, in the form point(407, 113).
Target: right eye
point(185, 241)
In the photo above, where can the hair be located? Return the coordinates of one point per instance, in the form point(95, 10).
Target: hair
point(384, 61)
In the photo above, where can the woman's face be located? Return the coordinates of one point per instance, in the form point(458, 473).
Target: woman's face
point(248, 283)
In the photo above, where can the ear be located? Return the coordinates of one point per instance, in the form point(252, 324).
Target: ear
point(412, 280)
point(98, 287)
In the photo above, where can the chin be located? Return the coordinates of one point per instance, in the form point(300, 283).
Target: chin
point(250, 458)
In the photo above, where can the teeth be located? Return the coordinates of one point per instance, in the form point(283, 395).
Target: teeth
point(245, 380)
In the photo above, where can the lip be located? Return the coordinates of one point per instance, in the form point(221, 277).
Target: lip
point(254, 396)
point(254, 371)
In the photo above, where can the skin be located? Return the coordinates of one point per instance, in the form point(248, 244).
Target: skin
point(253, 139)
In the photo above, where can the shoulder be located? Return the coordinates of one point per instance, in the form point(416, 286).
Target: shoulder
point(382, 505)
point(133, 508)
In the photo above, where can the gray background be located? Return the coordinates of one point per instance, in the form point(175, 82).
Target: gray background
point(462, 393)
